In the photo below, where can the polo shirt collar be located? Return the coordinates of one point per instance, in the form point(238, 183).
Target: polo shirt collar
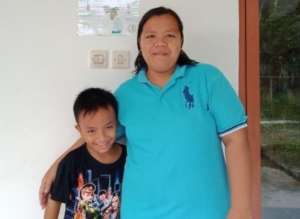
point(141, 75)
point(179, 72)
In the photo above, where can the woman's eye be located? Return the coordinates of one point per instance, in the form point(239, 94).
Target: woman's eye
point(170, 35)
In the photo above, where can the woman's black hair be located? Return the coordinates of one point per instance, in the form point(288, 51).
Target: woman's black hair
point(183, 58)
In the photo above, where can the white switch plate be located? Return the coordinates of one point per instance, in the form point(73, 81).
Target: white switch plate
point(98, 59)
point(120, 59)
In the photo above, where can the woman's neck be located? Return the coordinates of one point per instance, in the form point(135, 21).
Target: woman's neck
point(159, 78)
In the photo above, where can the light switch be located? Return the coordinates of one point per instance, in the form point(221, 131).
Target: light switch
point(98, 59)
point(120, 59)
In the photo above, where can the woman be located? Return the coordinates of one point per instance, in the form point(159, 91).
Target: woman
point(174, 113)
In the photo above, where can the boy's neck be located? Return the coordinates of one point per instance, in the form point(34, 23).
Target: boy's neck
point(108, 157)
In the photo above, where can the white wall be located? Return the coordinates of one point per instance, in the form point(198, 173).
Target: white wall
point(43, 65)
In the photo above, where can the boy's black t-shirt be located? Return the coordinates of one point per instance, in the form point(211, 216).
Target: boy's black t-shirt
point(89, 189)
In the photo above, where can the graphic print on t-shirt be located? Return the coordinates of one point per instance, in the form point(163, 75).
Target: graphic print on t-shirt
point(95, 198)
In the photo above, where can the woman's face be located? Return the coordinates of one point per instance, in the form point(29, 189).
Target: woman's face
point(160, 43)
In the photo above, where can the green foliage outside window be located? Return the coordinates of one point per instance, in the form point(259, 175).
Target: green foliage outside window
point(280, 83)
point(280, 59)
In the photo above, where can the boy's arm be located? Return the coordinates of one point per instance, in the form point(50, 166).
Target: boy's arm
point(52, 209)
point(51, 173)
point(238, 164)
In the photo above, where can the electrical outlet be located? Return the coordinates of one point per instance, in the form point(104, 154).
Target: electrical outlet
point(120, 59)
point(98, 59)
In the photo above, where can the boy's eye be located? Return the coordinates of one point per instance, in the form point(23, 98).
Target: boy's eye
point(91, 131)
point(149, 36)
point(109, 126)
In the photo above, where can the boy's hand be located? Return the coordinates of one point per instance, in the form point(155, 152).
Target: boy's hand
point(238, 213)
point(46, 185)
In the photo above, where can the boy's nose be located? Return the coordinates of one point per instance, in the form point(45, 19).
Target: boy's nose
point(100, 138)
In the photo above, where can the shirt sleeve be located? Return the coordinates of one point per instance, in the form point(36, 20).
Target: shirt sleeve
point(120, 135)
point(225, 106)
point(60, 189)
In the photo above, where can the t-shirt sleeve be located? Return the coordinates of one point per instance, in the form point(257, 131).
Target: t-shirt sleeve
point(225, 105)
point(60, 189)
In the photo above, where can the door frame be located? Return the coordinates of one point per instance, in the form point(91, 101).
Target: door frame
point(249, 90)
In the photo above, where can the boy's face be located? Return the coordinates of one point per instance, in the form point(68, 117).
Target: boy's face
point(98, 129)
point(115, 202)
point(102, 197)
point(87, 194)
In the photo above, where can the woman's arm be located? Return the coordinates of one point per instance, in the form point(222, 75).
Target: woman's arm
point(52, 209)
point(50, 175)
point(238, 164)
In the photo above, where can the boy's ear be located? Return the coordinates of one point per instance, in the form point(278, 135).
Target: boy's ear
point(77, 127)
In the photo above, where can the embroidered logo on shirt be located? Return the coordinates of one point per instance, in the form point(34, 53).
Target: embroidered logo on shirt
point(189, 98)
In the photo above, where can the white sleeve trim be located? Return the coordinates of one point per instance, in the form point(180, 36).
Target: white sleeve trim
point(233, 130)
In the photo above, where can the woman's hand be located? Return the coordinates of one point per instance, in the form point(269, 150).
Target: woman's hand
point(51, 173)
point(46, 185)
point(238, 213)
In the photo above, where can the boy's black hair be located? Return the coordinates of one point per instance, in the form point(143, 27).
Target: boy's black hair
point(91, 99)
point(102, 192)
point(183, 58)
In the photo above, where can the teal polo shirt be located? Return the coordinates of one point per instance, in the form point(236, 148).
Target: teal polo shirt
point(175, 166)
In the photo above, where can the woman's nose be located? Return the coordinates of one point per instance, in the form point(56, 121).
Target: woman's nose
point(160, 42)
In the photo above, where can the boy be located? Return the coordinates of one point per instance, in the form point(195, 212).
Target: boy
point(88, 175)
